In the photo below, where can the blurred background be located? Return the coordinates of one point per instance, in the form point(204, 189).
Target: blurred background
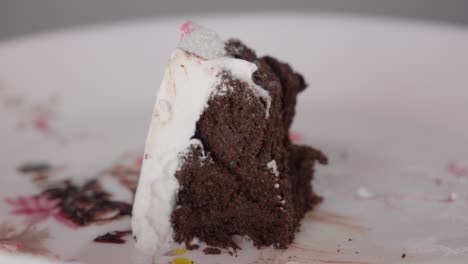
point(20, 17)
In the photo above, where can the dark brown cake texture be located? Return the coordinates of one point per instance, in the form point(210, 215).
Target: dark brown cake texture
point(229, 189)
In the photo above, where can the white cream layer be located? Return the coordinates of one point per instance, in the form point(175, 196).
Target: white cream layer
point(188, 83)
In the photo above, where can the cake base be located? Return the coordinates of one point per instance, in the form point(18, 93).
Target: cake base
point(218, 205)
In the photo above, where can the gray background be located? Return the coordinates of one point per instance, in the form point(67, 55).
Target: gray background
point(19, 17)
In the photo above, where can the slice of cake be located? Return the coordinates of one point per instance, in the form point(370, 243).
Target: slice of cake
point(218, 161)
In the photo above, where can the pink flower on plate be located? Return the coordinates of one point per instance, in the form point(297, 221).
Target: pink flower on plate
point(457, 170)
point(10, 248)
point(295, 137)
point(41, 124)
point(39, 208)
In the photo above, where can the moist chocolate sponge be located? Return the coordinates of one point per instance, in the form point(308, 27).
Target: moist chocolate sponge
point(248, 179)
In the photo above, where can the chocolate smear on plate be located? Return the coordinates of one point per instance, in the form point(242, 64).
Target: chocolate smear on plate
point(88, 203)
point(115, 237)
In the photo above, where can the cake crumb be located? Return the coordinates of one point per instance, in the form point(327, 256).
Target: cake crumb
point(212, 251)
point(403, 255)
point(350, 239)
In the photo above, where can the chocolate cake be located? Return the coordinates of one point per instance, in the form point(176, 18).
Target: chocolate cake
point(218, 160)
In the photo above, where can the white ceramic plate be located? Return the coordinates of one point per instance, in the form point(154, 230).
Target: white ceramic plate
point(387, 102)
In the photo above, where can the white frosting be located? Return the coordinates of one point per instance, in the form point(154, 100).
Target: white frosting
point(206, 44)
point(273, 168)
point(201, 41)
point(188, 84)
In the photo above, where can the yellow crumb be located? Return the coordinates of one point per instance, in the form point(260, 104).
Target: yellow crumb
point(180, 251)
point(182, 261)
